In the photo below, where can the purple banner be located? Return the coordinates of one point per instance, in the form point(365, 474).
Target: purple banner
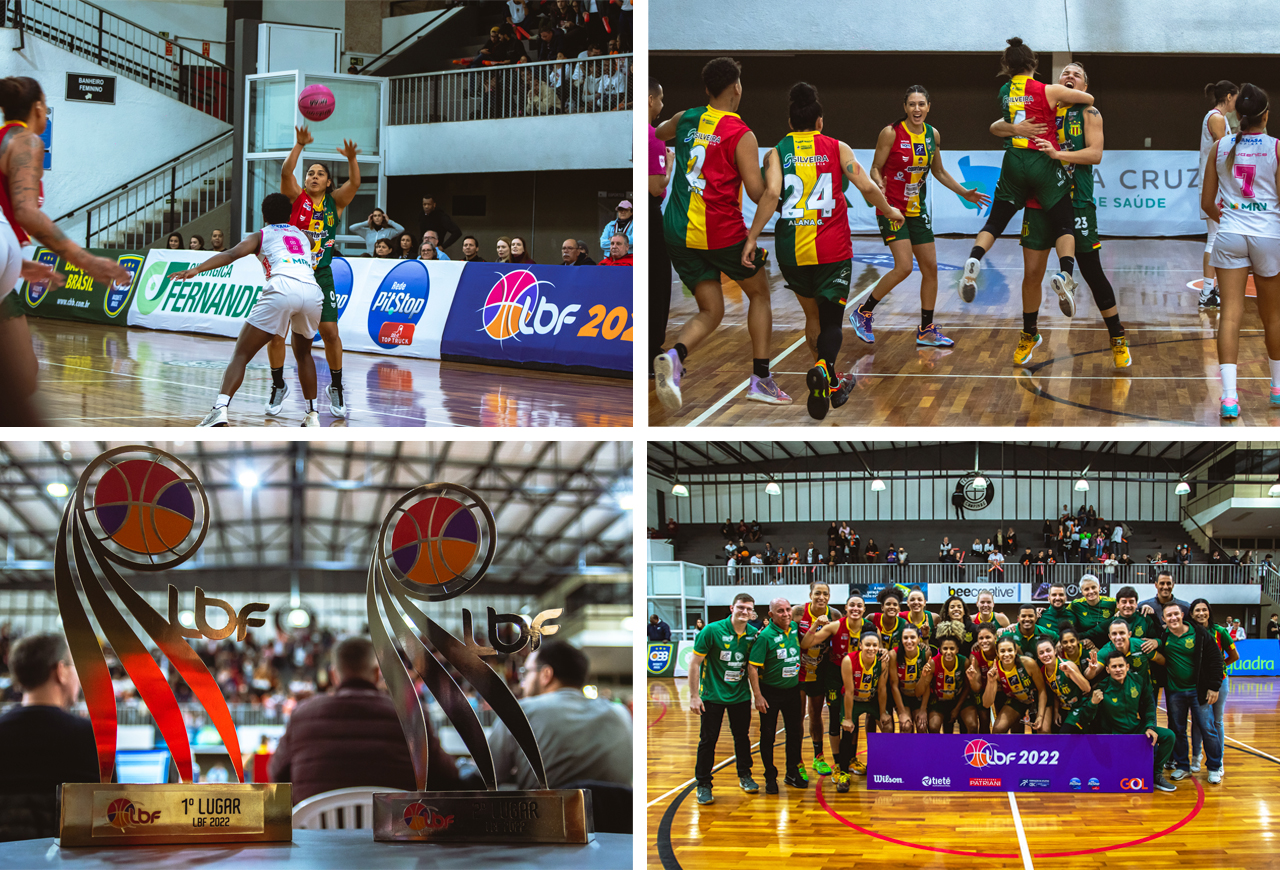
point(1010, 762)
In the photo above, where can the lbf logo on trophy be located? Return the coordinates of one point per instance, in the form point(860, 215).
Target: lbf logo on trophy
point(142, 509)
point(436, 543)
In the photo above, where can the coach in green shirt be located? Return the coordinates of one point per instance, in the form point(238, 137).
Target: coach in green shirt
point(1194, 670)
point(1093, 612)
point(718, 684)
point(1142, 628)
point(1139, 661)
point(1057, 613)
point(1025, 632)
point(1122, 705)
point(773, 669)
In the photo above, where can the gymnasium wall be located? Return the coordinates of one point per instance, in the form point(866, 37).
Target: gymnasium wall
point(1141, 97)
point(964, 25)
point(199, 20)
point(144, 127)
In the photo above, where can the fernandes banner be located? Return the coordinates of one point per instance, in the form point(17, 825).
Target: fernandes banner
point(81, 297)
point(1010, 762)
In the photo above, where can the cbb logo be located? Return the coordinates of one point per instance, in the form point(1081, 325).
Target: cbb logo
point(1132, 785)
point(121, 813)
point(659, 657)
point(420, 817)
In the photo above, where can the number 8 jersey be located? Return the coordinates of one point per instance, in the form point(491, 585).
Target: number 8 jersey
point(813, 223)
point(704, 211)
point(286, 250)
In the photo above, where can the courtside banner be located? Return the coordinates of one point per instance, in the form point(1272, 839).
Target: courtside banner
point(1258, 658)
point(662, 658)
point(81, 297)
point(214, 303)
point(1112, 763)
point(563, 318)
point(1138, 193)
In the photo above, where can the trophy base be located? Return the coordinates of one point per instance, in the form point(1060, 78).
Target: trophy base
point(550, 816)
point(127, 814)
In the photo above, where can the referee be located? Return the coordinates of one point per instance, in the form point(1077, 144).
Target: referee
point(717, 685)
point(774, 672)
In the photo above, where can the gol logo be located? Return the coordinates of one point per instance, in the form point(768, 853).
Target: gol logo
point(420, 817)
point(121, 813)
point(514, 307)
point(398, 304)
point(1132, 784)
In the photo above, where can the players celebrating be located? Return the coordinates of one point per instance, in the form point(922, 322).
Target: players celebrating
point(910, 679)
point(1017, 678)
point(950, 699)
point(1069, 687)
point(816, 678)
point(865, 694)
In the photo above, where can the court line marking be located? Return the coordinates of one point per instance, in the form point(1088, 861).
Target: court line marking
point(720, 403)
point(935, 375)
point(689, 782)
point(1022, 835)
point(1232, 739)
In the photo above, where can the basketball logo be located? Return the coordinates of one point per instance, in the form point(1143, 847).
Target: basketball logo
point(415, 816)
point(437, 541)
point(120, 813)
point(144, 507)
point(976, 753)
point(511, 301)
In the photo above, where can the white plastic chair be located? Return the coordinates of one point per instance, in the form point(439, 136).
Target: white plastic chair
point(338, 809)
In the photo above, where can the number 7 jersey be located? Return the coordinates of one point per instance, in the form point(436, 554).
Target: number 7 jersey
point(704, 211)
point(813, 224)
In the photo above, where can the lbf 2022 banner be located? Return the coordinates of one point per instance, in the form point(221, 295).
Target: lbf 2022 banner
point(1113, 763)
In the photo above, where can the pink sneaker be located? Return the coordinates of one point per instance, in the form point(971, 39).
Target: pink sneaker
point(1275, 395)
point(765, 390)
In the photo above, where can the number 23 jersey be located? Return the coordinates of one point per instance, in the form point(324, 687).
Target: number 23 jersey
point(813, 224)
point(704, 211)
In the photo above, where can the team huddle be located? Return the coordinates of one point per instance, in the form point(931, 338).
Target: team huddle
point(1094, 664)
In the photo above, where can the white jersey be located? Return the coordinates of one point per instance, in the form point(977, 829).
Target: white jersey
point(286, 250)
point(1206, 138)
point(1247, 193)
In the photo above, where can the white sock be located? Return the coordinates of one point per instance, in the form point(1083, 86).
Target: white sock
point(1228, 371)
point(1210, 284)
point(223, 401)
point(1275, 373)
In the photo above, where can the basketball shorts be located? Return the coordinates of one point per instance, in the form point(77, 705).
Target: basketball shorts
point(814, 688)
point(943, 708)
point(1039, 234)
point(286, 302)
point(911, 701)
point(1074, 721)
point(871, 708)
point(1027, 174)
point(1019, 707)
point(1213, 233)
point(1238, 251)
point(329, 304)
point(829, 281)
point(694, 266)
point(10, 262)
point(918, 229)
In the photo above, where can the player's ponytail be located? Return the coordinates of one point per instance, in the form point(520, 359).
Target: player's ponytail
point(17, 95)
point(805, 110)
point(1251, 105)
point(1218, 92)
point(914, 89)
point(1017, 59)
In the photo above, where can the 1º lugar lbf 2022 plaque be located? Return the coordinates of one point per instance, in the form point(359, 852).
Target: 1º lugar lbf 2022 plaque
point(436, 543)
point(143, 509)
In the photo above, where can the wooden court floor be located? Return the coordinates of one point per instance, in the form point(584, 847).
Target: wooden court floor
point(1070, 381)
point(1230, 826)
point(104, 375)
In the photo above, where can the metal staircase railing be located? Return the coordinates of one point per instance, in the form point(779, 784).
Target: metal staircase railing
point(134, 52)
point(157, 202)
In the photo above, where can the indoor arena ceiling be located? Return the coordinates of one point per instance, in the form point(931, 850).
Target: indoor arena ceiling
point(666, 459)
point(560, 507)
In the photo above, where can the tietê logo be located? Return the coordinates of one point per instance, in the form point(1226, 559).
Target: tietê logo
point(936, 781)
point(398, 304)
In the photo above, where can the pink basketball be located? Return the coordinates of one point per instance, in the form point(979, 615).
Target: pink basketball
point(316, 102)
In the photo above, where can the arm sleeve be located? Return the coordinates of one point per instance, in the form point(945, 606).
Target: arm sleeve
point(362, 230)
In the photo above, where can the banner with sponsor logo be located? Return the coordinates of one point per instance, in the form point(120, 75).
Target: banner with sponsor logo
point(1110, 763)
point(1258, 658)
point(1004, 593)
point(662, 658)
point(1138, 193)
point(575, 318)
point(396, 307)
point(81, 297)
point(213, 303)
point(684, 655)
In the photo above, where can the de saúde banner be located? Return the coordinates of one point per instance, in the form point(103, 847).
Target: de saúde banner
point(1138, 193)
point(572, 318)
point(81, 297)
point(1113, 763)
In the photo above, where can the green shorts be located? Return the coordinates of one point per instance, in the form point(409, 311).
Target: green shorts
point(1039, 234)
point(1027, 174)
point(828, 281)
point(1019, 707)
point(871, 708)
point(918, 229)
point(12, 307)
point(329, 305)
point(912, 702)
point(694, 266)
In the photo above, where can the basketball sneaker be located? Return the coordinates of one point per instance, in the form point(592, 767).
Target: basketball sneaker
point(859, 767)
point(819, 385)
point(861, 322)
point(1179, 774)
point(1275, 395)
point(1120, 351)
point(1195, 766)
point(1215, 300)
point(844, 386)
point(276, 402)
point(312, 419)
point(765, 390)
point(337, 407)
point(667, 371)
point(1206, 295)
point(1230, 408)
point(216, 417)
point(932, 337)
point(841, 780)
point(1065, 286)
point(1164, 784)
point(797, 779)
point(802, 772)
point(770, 786)
point(1026, 344)
point(1215, 776)
point(747, 784)
point(969, 279)
point(821, 767)
point(705, 796)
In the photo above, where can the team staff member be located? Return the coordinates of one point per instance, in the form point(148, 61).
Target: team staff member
point(1141, 626)
point(1202, 616)
point(815, 676)
point(951, 698)
point(1122, 706)
point(718, 685)
point(1195, 670)
point(1057, 613)
point(1018, 678)
point(1153, 610)
point(1139, 657)
point(1069, 688)
point(1025, 634)
point(773, 668)
point(865, 694)
point(1093, 611)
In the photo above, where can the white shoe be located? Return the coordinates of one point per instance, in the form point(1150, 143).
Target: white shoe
point(337, 406)
point(1179, 774)
point(1195, 767)
point(276, 401)
point(216, 417)
point(1215, 776)
point(1065, 286)
point(969, 279)
point(312, 419)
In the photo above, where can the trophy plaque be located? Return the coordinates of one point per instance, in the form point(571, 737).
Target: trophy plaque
point(143, 509)
point(436, 542)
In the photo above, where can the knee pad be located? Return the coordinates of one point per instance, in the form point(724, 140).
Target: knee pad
point(1001, 213)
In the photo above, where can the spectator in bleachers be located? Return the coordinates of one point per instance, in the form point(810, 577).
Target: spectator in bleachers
point(623, 223)
point(520, 252)
point(757, 573)
point(541, 97)
point(732, 567)
point(618, 254)
point(573, 255)
point(174, 242)
point(427, 251)
point(727, 529)
point(575, 40)
point(873, 552)
point(195, 243)
point(378, 226)
point(434, 238)
point(435, 219)
point(504, 250)
point(406, 248)
point(519, 18)
point(471, 250)
point(945, 547)
point(382, 250)
point(217, 240)
point(756, 532)
point(550, 42)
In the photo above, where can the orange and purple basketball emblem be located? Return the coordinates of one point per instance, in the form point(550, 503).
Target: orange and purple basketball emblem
point(120, 813)
point(144, 507)
point(415, 816)
point(975, 753)
point(512, 298)
point(435, 541)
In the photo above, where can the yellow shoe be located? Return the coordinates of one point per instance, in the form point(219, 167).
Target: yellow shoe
point(1026, 344)
point(859, 767)
point(1120, 350)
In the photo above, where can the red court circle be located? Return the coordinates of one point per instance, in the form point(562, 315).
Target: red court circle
point(1014, 855)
